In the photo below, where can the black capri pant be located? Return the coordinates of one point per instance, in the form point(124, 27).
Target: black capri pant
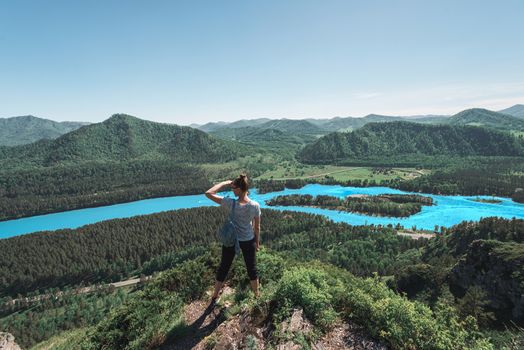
point(249, 249)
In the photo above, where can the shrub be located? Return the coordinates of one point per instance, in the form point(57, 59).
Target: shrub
point(310, 289)
point(406, 324)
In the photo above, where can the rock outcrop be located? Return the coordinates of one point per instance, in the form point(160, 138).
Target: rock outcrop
point(7, 342)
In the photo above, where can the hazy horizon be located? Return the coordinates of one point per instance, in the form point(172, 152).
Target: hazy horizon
point(200, 62)
point(253, 118)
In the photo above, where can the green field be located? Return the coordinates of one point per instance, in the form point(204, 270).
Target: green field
point(517, 133)
point(290, 170)
point(254, 166)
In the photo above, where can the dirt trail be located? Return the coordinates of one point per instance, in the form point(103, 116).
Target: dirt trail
point(414, 235)
point(78, 290)
point(202, 319)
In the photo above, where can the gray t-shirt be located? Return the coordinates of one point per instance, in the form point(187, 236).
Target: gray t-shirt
point(242, 217)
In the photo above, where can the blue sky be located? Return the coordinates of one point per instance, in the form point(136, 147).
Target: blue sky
point(197, 61)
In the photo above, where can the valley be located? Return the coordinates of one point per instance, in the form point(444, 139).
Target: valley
point(114, 200)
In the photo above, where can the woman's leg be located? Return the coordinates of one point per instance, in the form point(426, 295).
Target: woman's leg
point(228, 254)
point(249, 250)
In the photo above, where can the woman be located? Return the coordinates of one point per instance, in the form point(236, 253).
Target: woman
point(246, 220)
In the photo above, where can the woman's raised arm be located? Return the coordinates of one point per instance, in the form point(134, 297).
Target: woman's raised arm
point(212, 192)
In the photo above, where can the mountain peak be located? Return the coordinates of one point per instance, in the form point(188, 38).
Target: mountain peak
point(121, 117)
point(24, 117)
point(515, 111)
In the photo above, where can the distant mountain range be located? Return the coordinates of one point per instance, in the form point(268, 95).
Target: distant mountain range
point(123, 137)
point(27, 129)
point(314, 126)
point(209, 127)
point(510, 119)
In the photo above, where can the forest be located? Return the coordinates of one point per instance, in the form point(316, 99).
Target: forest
point(464, 302)
point(47, 190)
point(405, 139)
point(477, 176)
point(114, 249)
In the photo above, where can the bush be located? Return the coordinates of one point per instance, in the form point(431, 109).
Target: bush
point(405, 324)
point(310, 289)
point(191, 278)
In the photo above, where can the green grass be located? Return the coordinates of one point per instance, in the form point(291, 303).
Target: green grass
point(517, 133)
point(64, 341)
point(291, 170)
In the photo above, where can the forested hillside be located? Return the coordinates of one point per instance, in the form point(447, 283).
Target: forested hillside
point(330, 291)
point(482, 264)
point(405, 139)
point(487, 118)
point(45, 190)
point(280, 142)
point(110, 250)
point(121, 138)
point(516, 111)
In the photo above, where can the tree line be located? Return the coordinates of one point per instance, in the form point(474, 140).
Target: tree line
point(396, 205)
point(45, 190)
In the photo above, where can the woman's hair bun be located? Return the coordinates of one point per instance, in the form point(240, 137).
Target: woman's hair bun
point(241, 182)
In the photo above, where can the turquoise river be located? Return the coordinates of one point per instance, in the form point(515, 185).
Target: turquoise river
point(447, 211)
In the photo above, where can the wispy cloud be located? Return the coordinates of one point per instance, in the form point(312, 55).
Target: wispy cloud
point(365, 95)
point(441, 99)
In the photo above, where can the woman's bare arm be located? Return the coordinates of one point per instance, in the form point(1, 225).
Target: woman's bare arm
point(212, 192)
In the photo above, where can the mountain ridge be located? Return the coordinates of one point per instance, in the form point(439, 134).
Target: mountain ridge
point(487, 118)
point(405, 138)
point(27, 129)
point(515, 110)
point(124, 137)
